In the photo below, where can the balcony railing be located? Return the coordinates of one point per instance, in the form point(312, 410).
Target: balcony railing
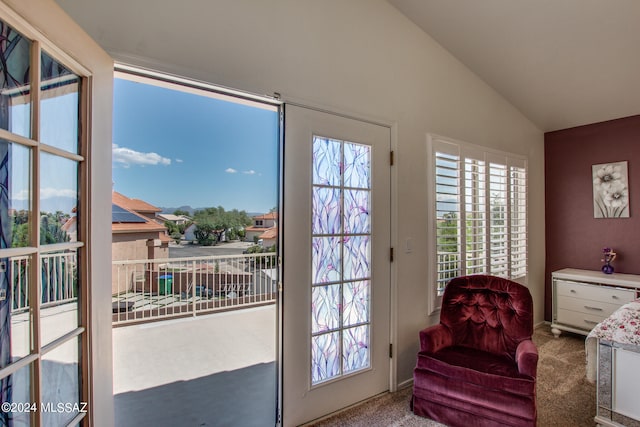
point(158, 289)
point(58, 272)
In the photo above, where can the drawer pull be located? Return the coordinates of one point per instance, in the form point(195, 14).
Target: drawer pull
point(591, 322)
point(573, 291)
point(592, 308)
point(614, 296)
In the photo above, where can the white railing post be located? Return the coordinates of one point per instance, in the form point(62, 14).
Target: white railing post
point(193, 287)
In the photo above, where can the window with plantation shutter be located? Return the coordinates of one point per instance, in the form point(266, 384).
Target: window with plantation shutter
point(478, 213)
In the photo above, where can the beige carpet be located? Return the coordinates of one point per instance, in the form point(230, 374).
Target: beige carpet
point(565, 398)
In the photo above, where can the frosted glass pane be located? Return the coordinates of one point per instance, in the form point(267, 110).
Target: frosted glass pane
point(327, 160)
point(355, 304)
point(356, 212)
point(325, 357)
point(325, 304)
point(355, 352)
point(357, 165)
point(326, 259)
point(326, 210)
point(357, 257)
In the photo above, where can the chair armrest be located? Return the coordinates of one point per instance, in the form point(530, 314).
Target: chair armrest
point(435, 338)
point(527, 358)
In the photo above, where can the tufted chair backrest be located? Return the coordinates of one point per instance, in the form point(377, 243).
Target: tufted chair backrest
point(487, 313)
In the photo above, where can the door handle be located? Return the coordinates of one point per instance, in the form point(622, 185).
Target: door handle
point(593, 308)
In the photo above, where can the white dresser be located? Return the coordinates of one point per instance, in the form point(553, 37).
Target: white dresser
point(583, 298)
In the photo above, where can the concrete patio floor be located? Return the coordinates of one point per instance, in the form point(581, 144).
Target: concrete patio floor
point(213, 370)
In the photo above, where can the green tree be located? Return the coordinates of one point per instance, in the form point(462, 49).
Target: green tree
point(448, 233)
point(51, 228)
point(172, 228)
point(204, 233)
point(221, 220)
point(179, 212)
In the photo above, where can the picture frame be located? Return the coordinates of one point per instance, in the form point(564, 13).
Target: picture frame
point(610, 190)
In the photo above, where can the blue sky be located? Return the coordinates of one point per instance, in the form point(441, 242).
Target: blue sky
point(172, 148)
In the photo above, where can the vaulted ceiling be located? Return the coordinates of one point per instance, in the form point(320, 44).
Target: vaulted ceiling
point(562, 63)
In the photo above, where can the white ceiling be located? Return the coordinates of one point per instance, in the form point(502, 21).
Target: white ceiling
point(562, 63)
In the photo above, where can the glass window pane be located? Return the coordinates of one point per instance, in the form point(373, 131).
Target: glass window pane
point(61, 384)
point(355, 352)
point(357, 165)
point(327, 161)
point(16, 276)
point(15, 92)
point(58, 199)
point(59, 106)
point(15, 389)
point(325, 308)
point(326, 210)
point(355, 306)
point(356, 212)
point(15, 195)
point(357, 257)
point(325, 357)
point(59, 309)
point(326, 264)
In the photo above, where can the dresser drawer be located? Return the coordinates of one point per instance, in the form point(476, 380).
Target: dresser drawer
point(594, 292)
point(596, 308)
point(579, 320)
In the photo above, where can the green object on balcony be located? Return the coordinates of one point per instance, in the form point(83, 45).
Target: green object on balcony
point(165, 284)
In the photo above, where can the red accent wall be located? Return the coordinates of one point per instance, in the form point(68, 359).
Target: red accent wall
point(574, 238)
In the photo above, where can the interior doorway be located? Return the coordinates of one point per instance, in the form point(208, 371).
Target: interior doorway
point(195, 247)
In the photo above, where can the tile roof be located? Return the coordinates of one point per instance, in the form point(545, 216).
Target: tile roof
point(270, 215)
point(271, 233)
point(142, 224)
point(136, 205)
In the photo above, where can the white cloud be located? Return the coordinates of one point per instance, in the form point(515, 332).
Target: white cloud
point(127, 157)
point(179, 161)
point(47, 193)
point(249, 172)
point(231, 170)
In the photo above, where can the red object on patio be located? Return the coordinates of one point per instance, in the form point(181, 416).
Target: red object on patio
point(478, 366)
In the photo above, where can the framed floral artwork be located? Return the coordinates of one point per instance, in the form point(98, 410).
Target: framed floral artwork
point(610, 190)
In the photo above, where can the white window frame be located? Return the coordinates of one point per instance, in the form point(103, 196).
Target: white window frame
point(515, 195)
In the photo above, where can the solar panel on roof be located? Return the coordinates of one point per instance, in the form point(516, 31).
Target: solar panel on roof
point(119, 214)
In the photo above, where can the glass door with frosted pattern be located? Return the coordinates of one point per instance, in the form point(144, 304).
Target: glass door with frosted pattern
point(336, 267)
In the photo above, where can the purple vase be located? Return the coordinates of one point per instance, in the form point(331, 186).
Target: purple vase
point(607, 268)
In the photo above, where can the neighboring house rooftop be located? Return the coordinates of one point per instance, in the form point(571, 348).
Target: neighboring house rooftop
point(124, 219)
point(271, 233)
point(270, 215)
point(173, 218)
point(135, 205)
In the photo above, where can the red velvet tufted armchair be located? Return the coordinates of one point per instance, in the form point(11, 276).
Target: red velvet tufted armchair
point(478, 366)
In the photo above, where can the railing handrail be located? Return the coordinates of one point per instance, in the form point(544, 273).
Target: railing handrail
point(192, 258)
point(157, 289)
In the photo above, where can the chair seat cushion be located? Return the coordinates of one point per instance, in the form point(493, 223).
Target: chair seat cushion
point(477, 367)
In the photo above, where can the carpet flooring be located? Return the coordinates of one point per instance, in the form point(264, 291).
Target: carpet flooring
point(565, 398)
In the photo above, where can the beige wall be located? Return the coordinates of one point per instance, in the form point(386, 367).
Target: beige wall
point(129, 247)
point(357, 56)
